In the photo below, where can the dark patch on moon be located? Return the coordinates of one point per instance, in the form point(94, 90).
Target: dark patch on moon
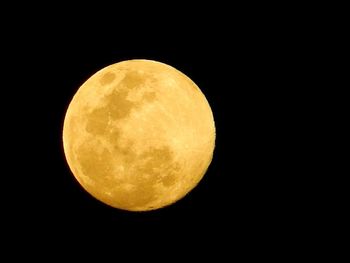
point(168, 180)
point(114, 136)
point(135, 79)
point(95, 166)
point(97, 121)
point(107, 78)
point(157, 161)
point(118, 104)
point(118, 107)
point(132, 79)
point(149, 96)
point(155, 165)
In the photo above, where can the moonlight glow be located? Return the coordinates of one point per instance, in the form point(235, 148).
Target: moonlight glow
point(139, 135)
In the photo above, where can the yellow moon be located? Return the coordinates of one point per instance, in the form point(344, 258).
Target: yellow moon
point(138, 135)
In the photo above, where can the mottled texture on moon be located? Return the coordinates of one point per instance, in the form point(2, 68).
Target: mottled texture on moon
point(139, 135)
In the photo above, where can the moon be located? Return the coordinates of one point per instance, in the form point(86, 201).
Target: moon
point(138, 135)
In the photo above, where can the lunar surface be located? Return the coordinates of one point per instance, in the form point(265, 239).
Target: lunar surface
point(139, 135)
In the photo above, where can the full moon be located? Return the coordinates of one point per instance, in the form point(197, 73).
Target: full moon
point(138, 135)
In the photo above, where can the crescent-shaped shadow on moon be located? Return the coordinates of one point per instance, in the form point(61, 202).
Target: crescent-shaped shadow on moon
point(139, 135)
